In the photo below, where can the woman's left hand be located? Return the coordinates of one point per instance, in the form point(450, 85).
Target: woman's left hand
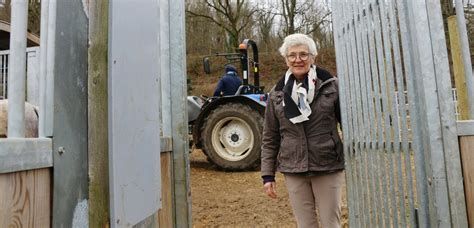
point(270, 189)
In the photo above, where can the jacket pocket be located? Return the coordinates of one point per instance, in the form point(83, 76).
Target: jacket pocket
point(338, 146)
point(322, 150)
point(288, 151)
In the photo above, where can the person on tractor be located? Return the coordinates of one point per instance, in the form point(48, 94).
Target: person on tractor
point(229, 83)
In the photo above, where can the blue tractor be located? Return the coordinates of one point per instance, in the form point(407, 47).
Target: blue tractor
point(229, 128)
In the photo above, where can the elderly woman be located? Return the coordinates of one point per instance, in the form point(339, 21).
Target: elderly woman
point(300, 137)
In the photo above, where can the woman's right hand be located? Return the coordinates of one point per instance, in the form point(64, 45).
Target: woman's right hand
point(270, 189)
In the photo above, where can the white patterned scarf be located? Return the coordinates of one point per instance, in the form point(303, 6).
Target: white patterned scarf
point(298, 96)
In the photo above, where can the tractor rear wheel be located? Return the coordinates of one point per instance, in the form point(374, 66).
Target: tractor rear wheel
point(232, 135)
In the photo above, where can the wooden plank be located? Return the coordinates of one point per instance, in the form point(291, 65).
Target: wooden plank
point(458, 69)
point(25, 199)
point(97, 115)
point(467, 158)
point(165, 214)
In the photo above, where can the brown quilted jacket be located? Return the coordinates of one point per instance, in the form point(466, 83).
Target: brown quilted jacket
point(313, 145)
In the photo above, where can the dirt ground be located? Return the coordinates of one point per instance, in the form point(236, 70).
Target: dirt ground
point(236, 199)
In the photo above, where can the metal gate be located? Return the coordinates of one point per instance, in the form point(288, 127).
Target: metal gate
point(402, 154)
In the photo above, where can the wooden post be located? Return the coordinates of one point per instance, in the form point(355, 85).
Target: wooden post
point(165, 214)
point(467, 153)
point(97, 115)
point(458, 69)
point(466, 143)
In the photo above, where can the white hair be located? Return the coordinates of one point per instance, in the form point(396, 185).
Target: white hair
point(295, 40)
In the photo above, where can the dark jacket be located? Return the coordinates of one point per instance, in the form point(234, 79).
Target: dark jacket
point(228, 85)
point(313, 145)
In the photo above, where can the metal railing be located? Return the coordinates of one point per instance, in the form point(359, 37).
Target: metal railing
point(402, 161)
point(16, 151)
point(32, 75)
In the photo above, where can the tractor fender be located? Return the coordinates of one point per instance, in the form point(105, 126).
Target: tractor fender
point(220, 101)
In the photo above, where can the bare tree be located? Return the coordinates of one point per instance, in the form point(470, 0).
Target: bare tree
point(265, 20)
point(232, 16)
point(303, 16)
point(289, 12)
point(198, 40)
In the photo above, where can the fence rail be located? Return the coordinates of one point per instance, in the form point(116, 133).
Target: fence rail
point(20, 66)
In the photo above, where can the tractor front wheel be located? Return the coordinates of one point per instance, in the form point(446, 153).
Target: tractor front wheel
point(232, 135)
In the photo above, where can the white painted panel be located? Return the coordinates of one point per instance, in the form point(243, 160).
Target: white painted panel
point(134, 103)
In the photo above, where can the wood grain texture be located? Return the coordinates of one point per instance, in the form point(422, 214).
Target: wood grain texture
point(25, 199)
point(458, 69)
point(97, 115)
point(165, 214)
point(467, 158)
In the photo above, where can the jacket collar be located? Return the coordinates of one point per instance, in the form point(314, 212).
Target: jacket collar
point(322, 75)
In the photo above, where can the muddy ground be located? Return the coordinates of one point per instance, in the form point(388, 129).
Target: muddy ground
point(237, 199)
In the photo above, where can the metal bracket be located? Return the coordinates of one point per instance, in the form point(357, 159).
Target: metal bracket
point(166, 144)
point(465, 127)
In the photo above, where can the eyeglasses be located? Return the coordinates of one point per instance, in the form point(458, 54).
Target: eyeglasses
point(303, 56)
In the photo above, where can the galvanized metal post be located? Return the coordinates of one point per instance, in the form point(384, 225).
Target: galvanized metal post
point(32, 76)
point(377, 137)
point(406, 31)
point(182, 199)
point(50, 69)
point(16, 69)
point(424, 84)
point(134, 124)
point(165, 67)
point(42, 69)
point(70, 143)
point(452, 161)
point(401, 113)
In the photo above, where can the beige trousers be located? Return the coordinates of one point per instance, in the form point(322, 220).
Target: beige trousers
point(316, 200)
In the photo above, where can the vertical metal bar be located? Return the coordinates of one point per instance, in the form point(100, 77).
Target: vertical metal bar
point(42, 69)
point(450, 152)
point(343, 98)
point(353, 125)
point(353, 208)
point(4, 75)
point(366, 112)
point(399, 208)
point(466, 56)
point(431, 126)
point(179, 121)
point(356, 114)
point(403, 113)
point(376, 55)
point(32, 75)
point(387, 146)
point(50, 66)
point(16, 69)
point(374, 112)
point(406, 32)
point(375, 99)
point(357, 58)
point(166, 67)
